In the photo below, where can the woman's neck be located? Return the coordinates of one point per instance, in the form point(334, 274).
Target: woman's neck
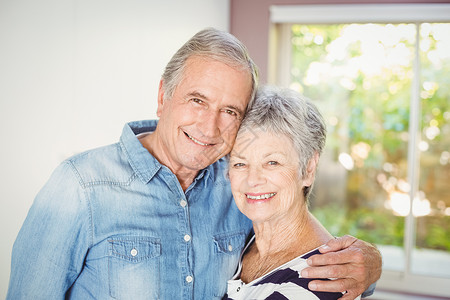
point(299, 234)
point(276, 243)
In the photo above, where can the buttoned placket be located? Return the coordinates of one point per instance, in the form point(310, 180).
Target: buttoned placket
point(187, 237)
point(183, 202)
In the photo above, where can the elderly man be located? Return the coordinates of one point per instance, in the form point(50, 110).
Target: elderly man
point(152, 216)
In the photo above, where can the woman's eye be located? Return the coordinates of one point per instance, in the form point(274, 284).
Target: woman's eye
point(273, 163)
point(238, 165)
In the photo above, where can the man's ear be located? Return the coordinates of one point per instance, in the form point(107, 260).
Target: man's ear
point(311, 168)
point(160, 99)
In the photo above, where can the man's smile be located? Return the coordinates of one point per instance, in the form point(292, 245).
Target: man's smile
point(197, 141)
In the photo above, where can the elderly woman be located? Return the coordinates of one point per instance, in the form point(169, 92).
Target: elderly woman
point(272, 168)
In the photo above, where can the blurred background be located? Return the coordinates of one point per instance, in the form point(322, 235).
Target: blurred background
point(73, 72)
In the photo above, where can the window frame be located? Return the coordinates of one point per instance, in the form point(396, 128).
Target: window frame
point(282, 17)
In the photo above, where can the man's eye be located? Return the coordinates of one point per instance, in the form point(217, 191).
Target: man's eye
point(231, 112)
point(196, 100)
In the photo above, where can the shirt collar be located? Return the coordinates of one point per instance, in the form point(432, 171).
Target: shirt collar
point(143, 163)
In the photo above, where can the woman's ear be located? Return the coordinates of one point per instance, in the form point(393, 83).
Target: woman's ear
point(311, 168)
point(160, 99)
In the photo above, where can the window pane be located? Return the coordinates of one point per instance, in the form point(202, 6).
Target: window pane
point(360, 76)
point(432, 204)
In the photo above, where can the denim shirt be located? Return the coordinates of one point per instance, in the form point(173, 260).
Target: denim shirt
point(113, 223)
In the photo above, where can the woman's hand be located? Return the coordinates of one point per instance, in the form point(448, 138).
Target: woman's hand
point(354, 263)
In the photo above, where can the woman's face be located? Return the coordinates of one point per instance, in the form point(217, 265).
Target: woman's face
point(264, 175)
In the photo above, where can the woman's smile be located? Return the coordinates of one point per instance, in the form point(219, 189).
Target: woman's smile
point(259, 197)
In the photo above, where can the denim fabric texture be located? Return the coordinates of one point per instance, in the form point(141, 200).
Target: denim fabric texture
point(113, 223)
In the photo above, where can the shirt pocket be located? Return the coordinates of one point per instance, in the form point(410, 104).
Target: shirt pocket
point(134, 267)
point(227, 248)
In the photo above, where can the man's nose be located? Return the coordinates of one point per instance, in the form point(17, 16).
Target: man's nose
point(209, 124)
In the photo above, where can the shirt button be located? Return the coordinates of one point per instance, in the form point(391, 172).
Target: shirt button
point(189, 278)
point(133, 252)
point(230, 248)
point(183, 203)
point(187, 237)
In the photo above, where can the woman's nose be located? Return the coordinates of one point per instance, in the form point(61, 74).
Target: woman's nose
point(255, 177)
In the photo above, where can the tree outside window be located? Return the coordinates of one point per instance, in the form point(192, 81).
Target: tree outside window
point(362, 78)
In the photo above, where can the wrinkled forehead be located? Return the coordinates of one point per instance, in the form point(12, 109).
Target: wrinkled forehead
point(253, 138)
point(246, 137)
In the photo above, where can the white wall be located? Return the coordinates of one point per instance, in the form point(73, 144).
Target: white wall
point(72, 72)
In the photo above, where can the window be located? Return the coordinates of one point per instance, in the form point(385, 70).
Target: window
point(380, 74)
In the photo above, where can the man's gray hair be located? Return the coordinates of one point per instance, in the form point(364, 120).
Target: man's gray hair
point(214, 44)
point(286, 112)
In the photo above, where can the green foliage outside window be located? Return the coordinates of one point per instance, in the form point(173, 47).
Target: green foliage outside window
point(360, 76)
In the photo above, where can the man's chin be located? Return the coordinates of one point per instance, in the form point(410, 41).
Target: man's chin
point(200, 163)
point(197, 166)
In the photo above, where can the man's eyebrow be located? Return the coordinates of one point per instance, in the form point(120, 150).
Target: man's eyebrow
point(197, 95)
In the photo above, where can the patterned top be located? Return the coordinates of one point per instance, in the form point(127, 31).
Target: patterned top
point(284, 282)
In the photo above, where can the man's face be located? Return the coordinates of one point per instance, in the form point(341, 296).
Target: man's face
point(198, 125)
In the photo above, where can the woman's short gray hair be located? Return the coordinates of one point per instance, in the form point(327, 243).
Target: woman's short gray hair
point(286, 112)
point(214, 44)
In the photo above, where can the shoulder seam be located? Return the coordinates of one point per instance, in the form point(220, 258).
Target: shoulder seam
point(84, 184)
point(86, 199)
point(76, 173)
